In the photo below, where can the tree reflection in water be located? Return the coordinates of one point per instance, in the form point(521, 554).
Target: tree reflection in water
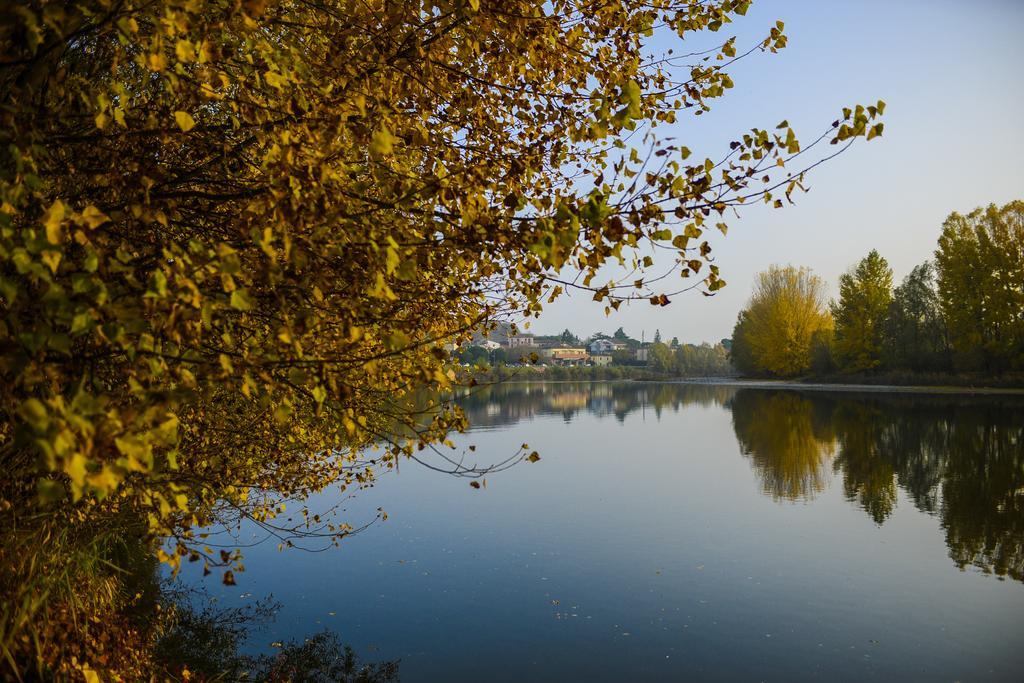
point(959, 458)
point(789, 445)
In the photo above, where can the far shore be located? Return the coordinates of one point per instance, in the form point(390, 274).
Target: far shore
point(792, 384)
point(844, 387)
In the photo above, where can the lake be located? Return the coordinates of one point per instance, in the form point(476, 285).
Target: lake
point(681, 532)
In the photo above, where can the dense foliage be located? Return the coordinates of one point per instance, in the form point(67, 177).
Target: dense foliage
point(980, 267)
point(864, 297)
point(689, 360)
point(786, 315)
point(235, 238)
point(964, 313)
point(914, 335)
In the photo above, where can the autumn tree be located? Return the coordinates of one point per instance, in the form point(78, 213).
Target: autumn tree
point(741, 355)
point(914, 331)
point(785, 312)
point(980, 276)
point(865, 293)
point(659, 357)
point(236, 238)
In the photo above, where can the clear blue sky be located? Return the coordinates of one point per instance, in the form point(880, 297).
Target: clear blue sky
point(951, 74)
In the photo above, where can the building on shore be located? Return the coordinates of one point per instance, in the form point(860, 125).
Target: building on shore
point(520, 340)
point(565, 356)
point(605, 346)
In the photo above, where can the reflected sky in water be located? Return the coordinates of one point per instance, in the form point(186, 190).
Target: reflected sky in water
point(685, 531)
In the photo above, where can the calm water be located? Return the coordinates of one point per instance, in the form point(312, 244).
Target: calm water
point(679, 532)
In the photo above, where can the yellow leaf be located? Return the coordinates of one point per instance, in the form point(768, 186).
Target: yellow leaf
point(274, 79)
point(53, 222)
point(105, 481)
point(184, 120)
point(74, 467)
point(51, 259)
point(380, 289)
point(382, 141)
point(93, 217)
point(185, 51)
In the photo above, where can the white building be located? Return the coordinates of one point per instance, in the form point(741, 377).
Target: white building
point(605, 346)
point(519, 340)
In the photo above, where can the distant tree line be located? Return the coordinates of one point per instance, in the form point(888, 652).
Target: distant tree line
point(689, 360)
point(962, 312)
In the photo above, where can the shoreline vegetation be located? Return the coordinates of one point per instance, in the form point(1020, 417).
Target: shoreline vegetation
point(864, 386)
point(957, 319)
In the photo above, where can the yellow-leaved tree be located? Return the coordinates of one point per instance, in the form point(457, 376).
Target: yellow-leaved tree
point(786, 315)
point(237, 236)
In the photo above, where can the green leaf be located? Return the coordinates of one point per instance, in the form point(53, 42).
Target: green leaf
point(241, 300)
point(50, 491)
point(631, 94)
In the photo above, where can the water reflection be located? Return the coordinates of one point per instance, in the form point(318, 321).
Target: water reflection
point(504, 404)
point(958, 458)
point(962, 459)
point(789, 440)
